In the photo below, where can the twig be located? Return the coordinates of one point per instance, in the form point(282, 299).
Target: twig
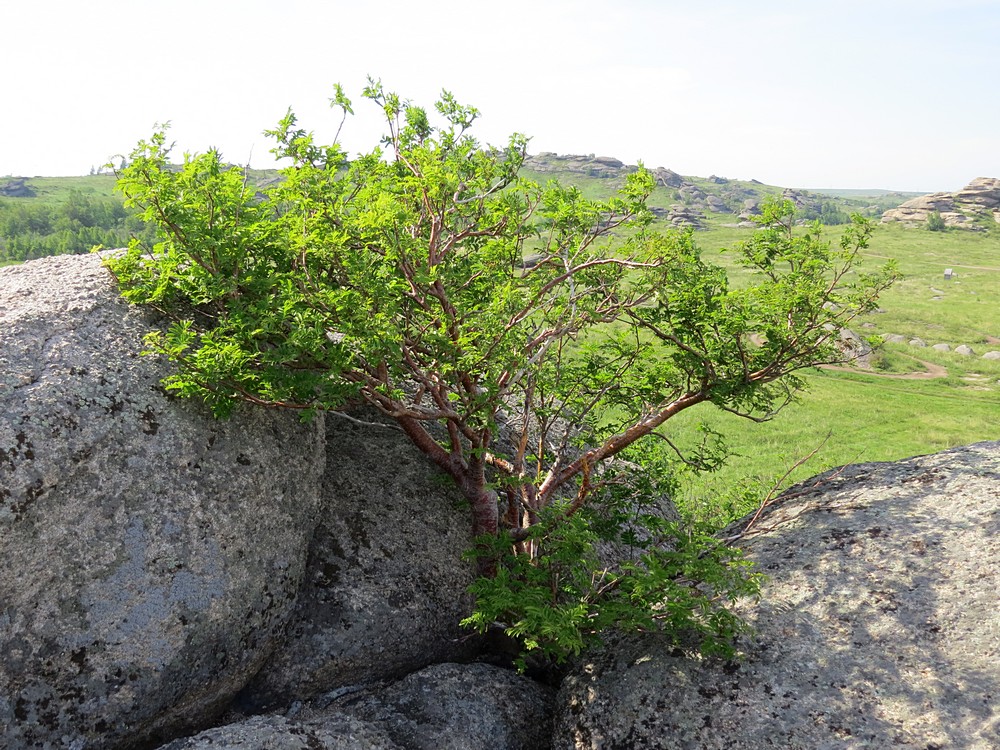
point(363, 422)
point(770, 497)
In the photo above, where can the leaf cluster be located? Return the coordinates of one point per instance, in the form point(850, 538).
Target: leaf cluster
point(618, 565)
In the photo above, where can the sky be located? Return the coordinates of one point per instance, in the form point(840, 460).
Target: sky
point(893, 94)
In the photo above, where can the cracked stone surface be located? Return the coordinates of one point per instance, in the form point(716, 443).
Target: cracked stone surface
point(879, 627)
point(152, 554)
point(442, 707)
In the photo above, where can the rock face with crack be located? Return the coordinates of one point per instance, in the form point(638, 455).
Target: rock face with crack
point(879, 627)
point(385, 587)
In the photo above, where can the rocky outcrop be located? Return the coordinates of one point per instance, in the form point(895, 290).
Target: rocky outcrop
point(152, 554)
point(966, 209)
point(798, 199)
point(982, 191)
point(161, 564)
point(751, 208)
point(715, 204)
point(600, 166)
point(589, 165)
point(668, 178)
point(692, 193)
point(685, 216)
point(444, 707)
point(878, 627)
point(16, 188)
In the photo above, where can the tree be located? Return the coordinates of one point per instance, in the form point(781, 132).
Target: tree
point(397, 280)
point(935, 223)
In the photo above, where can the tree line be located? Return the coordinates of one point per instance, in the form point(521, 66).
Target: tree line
point(36, 229)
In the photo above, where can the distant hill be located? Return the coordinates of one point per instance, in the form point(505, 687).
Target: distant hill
point(865, 193)
point(704, 201)
point(42, 216)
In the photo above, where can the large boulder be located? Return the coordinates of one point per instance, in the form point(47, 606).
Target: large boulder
point(879, 627)
point(17, 188)
point(979, 199)
point(152, 555)
point(275, 732)
point(982, 191)
point(443, 707)
point(458, 706)
point(386, 583)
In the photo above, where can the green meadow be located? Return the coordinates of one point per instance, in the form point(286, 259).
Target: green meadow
point(883, 414)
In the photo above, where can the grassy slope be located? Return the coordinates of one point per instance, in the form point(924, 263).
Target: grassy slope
point(863, 417)
point(57, 189)
point(872, 418)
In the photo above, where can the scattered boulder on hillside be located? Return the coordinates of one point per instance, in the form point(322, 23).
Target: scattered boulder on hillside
point(856, 348)
point(963, 209)
point(444, 707)
point(715, 204)
point(152, 554)
point(717, 180)
point(878, 626)
point(992, 355)
point(668, 178)
point(941, 347)
point(685, 216)
point(893, 338)
point(965, 350)
point(692, 193)
point(16, 188)
point(751, 207)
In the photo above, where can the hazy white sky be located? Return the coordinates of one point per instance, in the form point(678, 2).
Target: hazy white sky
point(899, 94)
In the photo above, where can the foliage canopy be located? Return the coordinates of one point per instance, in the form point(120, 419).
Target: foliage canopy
point(398, 279)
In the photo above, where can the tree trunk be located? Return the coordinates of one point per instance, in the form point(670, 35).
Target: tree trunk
point(485, 522)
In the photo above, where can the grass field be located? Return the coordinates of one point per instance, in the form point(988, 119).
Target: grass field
point(869, 416)
point(58, 189)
